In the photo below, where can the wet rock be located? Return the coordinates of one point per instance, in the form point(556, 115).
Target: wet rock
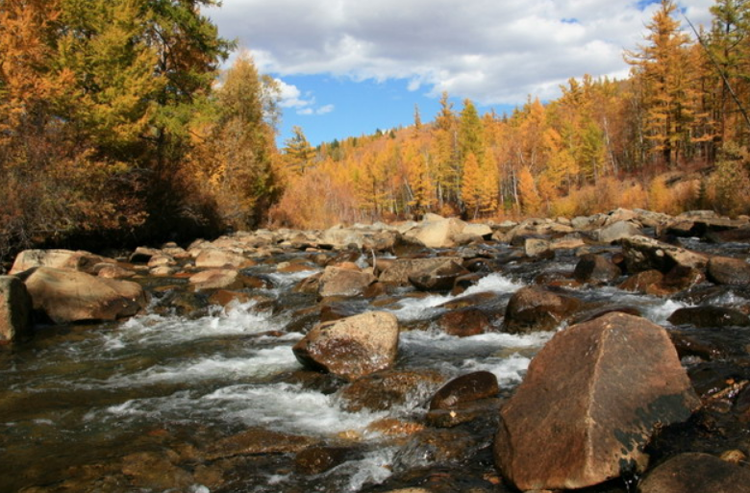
point(696, 472)
point(398, 272)
point(224, 297)
point(595, 269)
point(213, 258)
point(589, 403)
point(228, 279)
point(534, 308)
point(58, 259)
point(161, 260)
point(617, 231)
point(439, 278)
point(465, 322)
point(15, 310)
point(646, 282)
point(681, 278)
point(351, 347)
point(728, 271)
point(394, 427)
point(156, 471)
point(382, 390)
point(462, 283)
point(433, 448)
point(709, 316)
point(72, 296)
point(258, 441)
point(643, 253)
point(345, 282)
point(142, 255)
point(315, 460)
point(463, 413)
point(466, 388)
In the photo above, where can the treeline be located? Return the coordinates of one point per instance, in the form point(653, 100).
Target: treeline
point(673, 136)
point(117, 127)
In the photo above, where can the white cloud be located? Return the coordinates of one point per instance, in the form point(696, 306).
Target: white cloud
point(488, 50)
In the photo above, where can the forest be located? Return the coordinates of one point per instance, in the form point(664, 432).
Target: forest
point(118, 126)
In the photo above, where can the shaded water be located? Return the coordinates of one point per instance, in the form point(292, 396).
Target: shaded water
point(80, 398)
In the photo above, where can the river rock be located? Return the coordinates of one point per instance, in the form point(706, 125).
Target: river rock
point(217, 279)
point(221, 259)
point(152, 470)
point(345, 282)
point(438, 232)
point(642, 253)
point(258, 441)
point(466, 388)
point(728, 271)
point(534, 308)
point(442, 277)
point(647, 282)
point(113, 271)
point(696, 472)
point(399, 271)
point(316, 460)
point(709, 316)
point(617, 231)
point(58, 259)
point(538, 248)
point(351, 347)
point(595, 269)
point(382, 390)
point(142, 255)
point(15, 310)
point(72, 296)
point(465, 322)
point(589, 403)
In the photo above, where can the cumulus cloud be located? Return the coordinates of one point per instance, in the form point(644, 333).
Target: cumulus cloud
point(487, 50)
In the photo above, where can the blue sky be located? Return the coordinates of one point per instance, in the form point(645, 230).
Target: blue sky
point(349, 67)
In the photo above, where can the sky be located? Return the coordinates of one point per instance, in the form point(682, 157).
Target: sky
point(350, 67)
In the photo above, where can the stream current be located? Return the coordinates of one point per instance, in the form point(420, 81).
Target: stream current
point(85, 395)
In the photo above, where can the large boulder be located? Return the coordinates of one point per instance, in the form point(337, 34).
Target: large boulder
point(217, 279)
point(15, 310)
point(213, 258)
point(72, 296)
point(617, 231)
point(729, 271)
point(338, 281)
point(642, 253)
point(596, 269)
point(437, 232)
point(589, 404)
point(399, 271)
point(351, 347)
point(439, 278)
point(58, 259)
point(534, 308)
point(696, 472)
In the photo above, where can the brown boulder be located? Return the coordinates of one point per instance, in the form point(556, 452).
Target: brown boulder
point(214, 258)
point(465, 322)
point(72, 296)
point(398, 272)
point(338, 281)
point(534, 308)
point(15, 310)
point(439, 278)
point(647, 282)
point(709, 316)
point(466, 388)
point(228, 279)
point(382, 390)
point(315, 460)
point(642, 253)
point(729, 271)
point(351, 347)
point(595, 269)
point(589, 403)
point(696, 472)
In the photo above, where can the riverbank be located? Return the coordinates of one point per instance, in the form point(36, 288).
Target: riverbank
point(207, 379)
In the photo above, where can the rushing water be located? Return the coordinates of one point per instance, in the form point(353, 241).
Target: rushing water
point(87, 395)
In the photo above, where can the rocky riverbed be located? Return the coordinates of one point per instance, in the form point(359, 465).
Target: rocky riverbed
point(608, 353)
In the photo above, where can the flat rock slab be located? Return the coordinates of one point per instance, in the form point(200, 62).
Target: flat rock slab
point(258, 441)
point(589, 404)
